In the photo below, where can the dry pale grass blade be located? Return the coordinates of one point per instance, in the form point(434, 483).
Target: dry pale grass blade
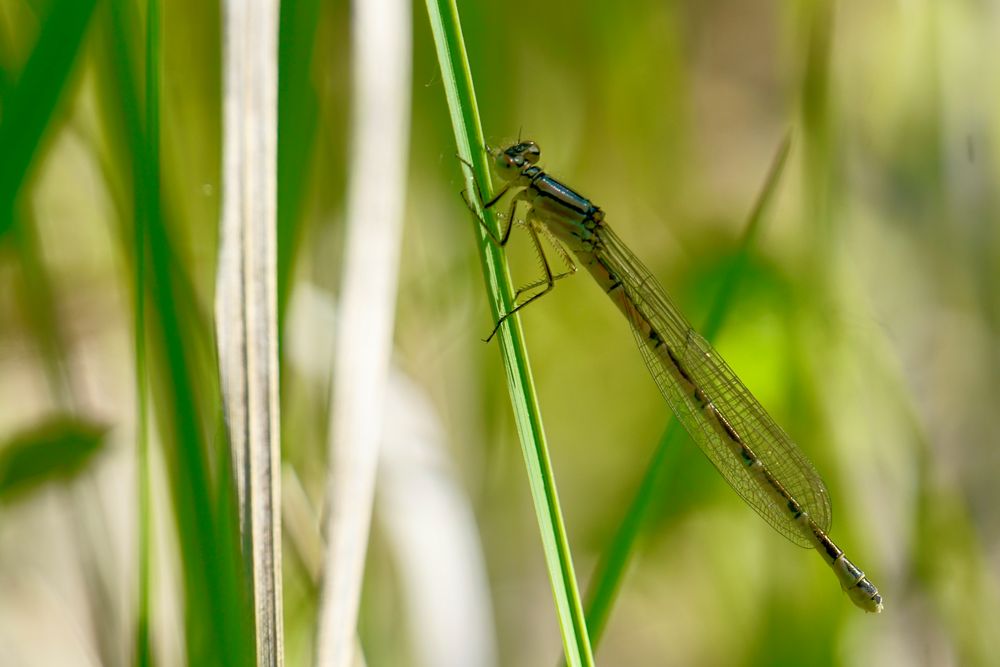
point(427, 520)
point(246, 300)
point(380, 125)
point(424, 515)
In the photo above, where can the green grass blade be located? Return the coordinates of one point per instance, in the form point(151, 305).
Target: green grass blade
point(457, 79)
point(607, 577)
point(29, 107)
point(217, 627)
point(143, 647)
point(298, 110)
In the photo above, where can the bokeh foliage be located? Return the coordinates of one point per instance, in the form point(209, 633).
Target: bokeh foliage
point(866, 316)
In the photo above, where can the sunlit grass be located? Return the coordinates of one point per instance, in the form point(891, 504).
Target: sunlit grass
point(460, 93)
point(865, 319)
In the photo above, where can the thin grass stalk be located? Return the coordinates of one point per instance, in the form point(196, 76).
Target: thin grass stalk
point(246, 303)
point(143, 645)
point(381, 57)
point(457, 79)
point(298, 111)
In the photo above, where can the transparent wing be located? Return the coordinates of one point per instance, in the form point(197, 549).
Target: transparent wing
point(645, 301)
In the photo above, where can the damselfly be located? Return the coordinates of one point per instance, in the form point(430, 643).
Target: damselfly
point(752, 453)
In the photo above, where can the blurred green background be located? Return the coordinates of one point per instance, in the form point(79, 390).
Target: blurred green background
point(866, 319)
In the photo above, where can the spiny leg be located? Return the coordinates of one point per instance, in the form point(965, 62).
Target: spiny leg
point(560, 250)
point(479, 191)
point(548, 281)
point(543, 281)
point(501, 241)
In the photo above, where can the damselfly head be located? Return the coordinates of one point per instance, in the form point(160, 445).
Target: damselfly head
point(512, 160)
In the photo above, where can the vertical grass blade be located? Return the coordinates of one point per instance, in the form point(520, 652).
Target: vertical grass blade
point(457, 79)
point(298, 110)
point(246, 302)
point(216, 622)
point(380, 37)
point(29, 106)
point(143, 645)
point(611, 568)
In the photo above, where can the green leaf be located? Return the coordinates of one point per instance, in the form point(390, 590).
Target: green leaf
point(56, 450)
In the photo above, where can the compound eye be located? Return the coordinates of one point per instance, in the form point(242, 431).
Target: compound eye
point(531, 152)
point(506, 165)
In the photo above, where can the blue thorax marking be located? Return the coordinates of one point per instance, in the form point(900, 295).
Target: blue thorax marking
point(549, 188)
